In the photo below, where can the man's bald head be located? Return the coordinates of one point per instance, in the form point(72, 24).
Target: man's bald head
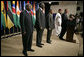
point(28, 6)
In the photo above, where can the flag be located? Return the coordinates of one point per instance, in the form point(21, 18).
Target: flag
point(32, 8)
point(34, 13)
point(1, 20)
point(27, 1)
point(24, 5)
point(10, 19)
point(3, 15)
point(18, 14)
point(1, 26)
point(14, 13)
point(20, 7)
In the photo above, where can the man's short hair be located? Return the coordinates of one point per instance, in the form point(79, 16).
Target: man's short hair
point(41, 5)
point(65, 10)
point(59, 9)
point(50, 10)
point(28, 5)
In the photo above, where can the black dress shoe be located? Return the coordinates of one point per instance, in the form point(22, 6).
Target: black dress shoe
point(61, 38)
point(25, 53)
point(49, 42)
point(39, 46)
point(31, 50)
point(59, 35)
point(42, 44)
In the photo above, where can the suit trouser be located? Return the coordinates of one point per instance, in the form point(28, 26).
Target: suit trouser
point(30, 41)
point(63, 31)
point(49, 32)
point(39, 36)
point(27, 41)
point(70, 34)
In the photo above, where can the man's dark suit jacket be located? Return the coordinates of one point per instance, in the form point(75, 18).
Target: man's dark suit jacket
point(26, 22)
point(50, 21)
point(40, 19)
point(64, 20)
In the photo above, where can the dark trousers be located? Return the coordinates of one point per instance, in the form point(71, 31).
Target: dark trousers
point(30, 41)
point(63, 31)
point(70, 34)
point(27, 41)
point(49, 32)
point(39, 36)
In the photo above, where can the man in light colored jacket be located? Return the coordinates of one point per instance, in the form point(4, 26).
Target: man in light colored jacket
point(58, 21)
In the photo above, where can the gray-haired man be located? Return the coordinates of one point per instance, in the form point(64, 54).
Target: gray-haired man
point(27, 28)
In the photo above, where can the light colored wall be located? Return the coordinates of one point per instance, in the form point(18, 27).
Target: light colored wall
point(80, 4)
point(71, 6)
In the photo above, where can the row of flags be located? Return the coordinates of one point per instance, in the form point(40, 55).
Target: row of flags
point(10, 13)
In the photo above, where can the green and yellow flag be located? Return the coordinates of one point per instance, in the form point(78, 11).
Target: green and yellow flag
point(10, 19)
point(3, 15)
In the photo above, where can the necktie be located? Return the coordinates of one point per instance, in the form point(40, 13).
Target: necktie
point(29, 13)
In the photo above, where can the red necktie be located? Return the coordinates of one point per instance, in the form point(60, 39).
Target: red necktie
point(29, 13)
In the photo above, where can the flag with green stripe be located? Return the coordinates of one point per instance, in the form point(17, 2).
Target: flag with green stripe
point(3, 15)
point(10, 19)
point(18, 14)
point(14, 13)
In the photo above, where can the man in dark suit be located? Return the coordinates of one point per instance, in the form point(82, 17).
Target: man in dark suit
point(50, 25)
point(40, 24)
point(71, 23)
point(64, 24)
point(27, 28)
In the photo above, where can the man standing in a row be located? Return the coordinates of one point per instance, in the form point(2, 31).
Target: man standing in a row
point(27, 28)
point(40, 24)
point(64, 24)
point(50, 25)
point(58, 21)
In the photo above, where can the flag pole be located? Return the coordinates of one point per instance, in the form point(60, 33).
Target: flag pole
point(9, 31)
point(17, 29)
point(13, 29)
point(20, 29)
point(4, 32)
